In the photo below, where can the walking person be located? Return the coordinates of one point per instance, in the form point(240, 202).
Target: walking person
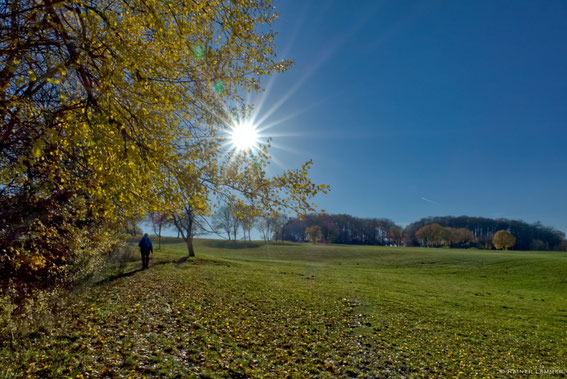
point(146, 248)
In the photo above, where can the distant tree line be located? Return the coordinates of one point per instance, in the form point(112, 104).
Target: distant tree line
point(341, 228)
point(448, 231)
point(528, 236)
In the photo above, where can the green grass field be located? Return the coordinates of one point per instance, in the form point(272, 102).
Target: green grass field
point(307, 310)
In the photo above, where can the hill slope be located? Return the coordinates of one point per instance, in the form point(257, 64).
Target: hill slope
point(307, 310)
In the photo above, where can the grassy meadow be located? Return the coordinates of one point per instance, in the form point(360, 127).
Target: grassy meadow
point(303, 310)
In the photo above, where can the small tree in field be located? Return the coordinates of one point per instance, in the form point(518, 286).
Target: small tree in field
point(279, 223)
point(313, 233)
point(225, 221)
point(503, 240)
point(244, 216)
point(265, 225)
point(159, 221)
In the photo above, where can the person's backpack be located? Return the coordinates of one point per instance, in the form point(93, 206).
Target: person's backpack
point(145, 243)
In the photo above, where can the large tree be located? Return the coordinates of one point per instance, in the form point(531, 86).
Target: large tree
point(111, 108)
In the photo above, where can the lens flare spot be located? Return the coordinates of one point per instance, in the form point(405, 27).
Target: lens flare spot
point(219, 86)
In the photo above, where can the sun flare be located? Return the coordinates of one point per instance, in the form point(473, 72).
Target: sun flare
point(244, 136)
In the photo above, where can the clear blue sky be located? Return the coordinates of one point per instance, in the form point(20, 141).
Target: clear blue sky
point(426, 108)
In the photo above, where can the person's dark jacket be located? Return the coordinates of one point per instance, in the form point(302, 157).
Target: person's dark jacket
point(146, 244)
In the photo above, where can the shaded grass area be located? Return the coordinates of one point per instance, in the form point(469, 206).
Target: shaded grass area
point(303, 310)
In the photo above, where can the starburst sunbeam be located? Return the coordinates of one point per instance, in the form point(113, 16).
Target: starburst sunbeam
point(244, 136)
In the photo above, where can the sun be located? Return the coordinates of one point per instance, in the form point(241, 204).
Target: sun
point(244, 136)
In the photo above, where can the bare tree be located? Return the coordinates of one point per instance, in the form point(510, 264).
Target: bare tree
point(265, 225)
point(279, 224)
point(189, 225)
point(246, 219)
point(224, 221)
point(159, 221)
point(235, 226)
point(132, 226)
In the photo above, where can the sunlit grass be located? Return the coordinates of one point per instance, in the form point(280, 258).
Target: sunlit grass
point(308, 310)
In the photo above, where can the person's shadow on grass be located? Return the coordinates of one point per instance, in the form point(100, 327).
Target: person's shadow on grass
point(121, 275)
point(118, 276)
point(181, 260)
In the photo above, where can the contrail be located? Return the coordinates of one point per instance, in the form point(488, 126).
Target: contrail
point(429, 201)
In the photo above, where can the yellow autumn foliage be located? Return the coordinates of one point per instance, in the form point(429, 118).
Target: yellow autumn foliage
point(111, 109)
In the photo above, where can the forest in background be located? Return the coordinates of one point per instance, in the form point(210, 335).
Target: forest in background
point(460, 232)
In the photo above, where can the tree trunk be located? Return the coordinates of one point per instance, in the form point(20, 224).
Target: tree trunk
point(159, 238)
point(190, 250)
